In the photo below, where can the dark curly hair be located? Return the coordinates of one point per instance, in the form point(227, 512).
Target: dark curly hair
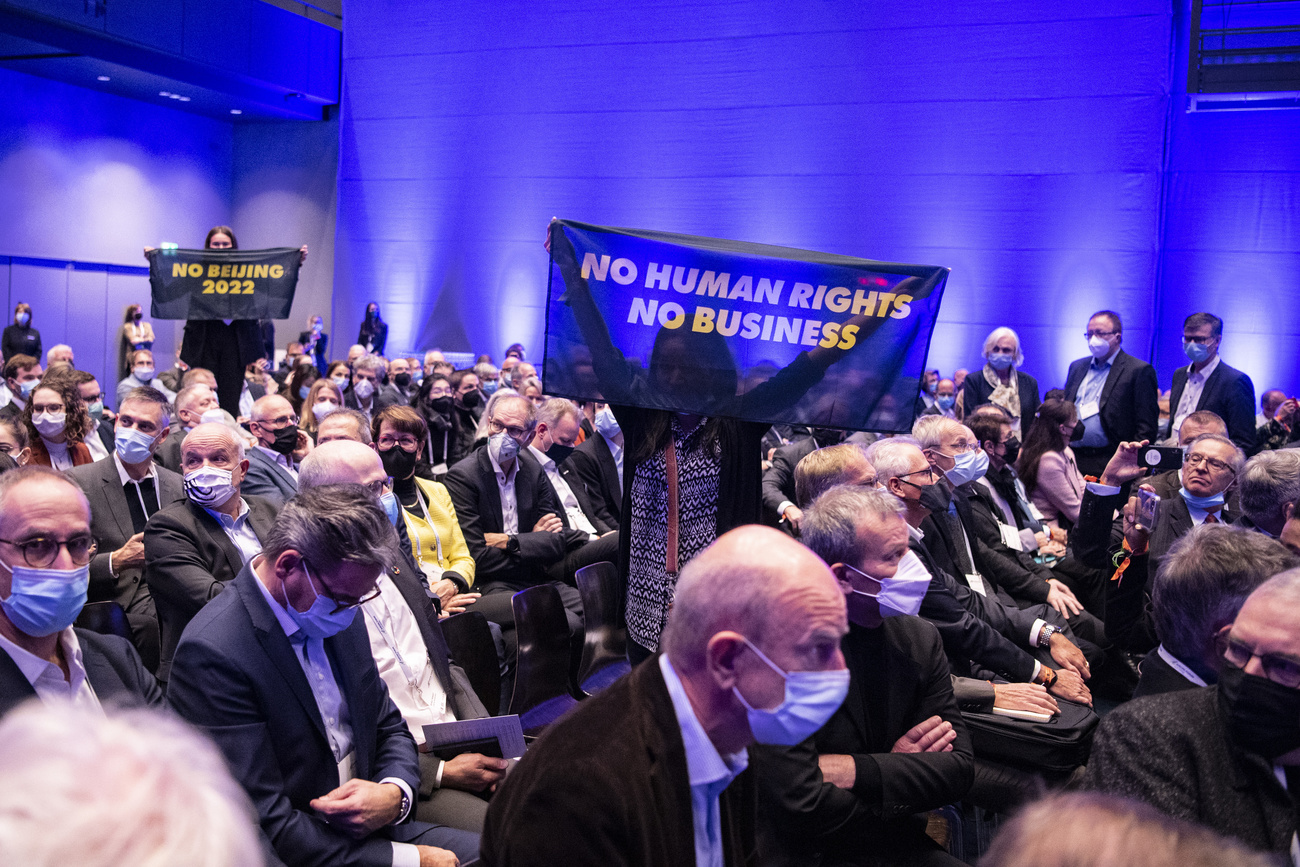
point(78, 417)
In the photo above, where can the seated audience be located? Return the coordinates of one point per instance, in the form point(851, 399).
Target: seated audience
point(1002, 382)
point(599, 463)
point(400, 381)
point(195, 405)
point(1280, 429)
point(281, 445)
point(124, 492)
point(1085, 829)
point(45, 549)
point(323, 398)
point(142, 373)
point(778, 479)
point(278, 671)
point(1197, 593)
point(1166, 484)
point(945, 400)
point(366, 393)
point(1209, 384)
point(134, 787)
point(22, 374)
point(651, 769)
point(1047, 466)
point(56, 420)
point(99, 435)
point(429, 522)
point(897, 746)
point(343, 424)
point(488, 376)
point(553, 444)
point(412, 657)
point(530, 388)
point(171, 377)
point(194, 548)
point(1227, 755)
point(1269, 483)
point(298, 385)
point(468, 408)
point(60, 353)
point(13, 440)
point(433, 401)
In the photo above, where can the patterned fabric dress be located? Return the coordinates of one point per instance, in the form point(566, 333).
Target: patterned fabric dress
point(650, 588)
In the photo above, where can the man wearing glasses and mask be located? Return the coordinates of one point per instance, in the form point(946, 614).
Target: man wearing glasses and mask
point(45, 551)
point(281, 446)
point(278, 671)
point(1225, 756)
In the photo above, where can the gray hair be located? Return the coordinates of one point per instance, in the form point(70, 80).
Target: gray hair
point(328, 462)
point(331, 525)
point(358, 418)
point(822, 469)
point(499, 395)
point(997, 334)
point(485, 369)
point(1238, 456)
point(1284, 584)
point(1205, 579)
point(149, 394)
point(186, 396)
point(553, 411)
point(830, 524)
point(892, 458)
point(1270, 481)
point(530, 413)
point(930, 430)
point(135, 787)
point(373, 363)
point(523, 385)
point(234, 437)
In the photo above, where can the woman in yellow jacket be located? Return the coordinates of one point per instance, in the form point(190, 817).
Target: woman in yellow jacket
point(437, 542)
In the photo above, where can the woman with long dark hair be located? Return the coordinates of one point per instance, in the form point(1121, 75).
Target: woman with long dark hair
point(374, 330)
point(1047, 466)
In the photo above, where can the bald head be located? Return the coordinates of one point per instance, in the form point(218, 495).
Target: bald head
point(214, 445)
point(340, 462)
point(743, 582)
point(271, 406)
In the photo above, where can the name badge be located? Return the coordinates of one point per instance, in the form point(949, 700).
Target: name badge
point(1089, 409)
point(977, 584)
point(1011, 537)
point(346, 771)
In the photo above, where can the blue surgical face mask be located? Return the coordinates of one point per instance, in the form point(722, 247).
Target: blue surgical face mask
point(1197, 352)
point(811, 697)
point(1208, 504)
point(133, 447)
point(1001, 360)
point(969, 467)
point(503, 447)
point(45, 601)
point(303, 391)
point(489, 387)
point(320, 620)
point(392, 508)
point(144, 374)
point(606, 423)
point(901, 594)
point(26, 388)
point(945, 401)
point(340, 381)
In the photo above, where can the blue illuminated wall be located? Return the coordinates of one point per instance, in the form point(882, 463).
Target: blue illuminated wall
point(1022, 144)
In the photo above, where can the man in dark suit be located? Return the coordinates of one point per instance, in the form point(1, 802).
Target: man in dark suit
point(1209, 384)
point(1217, 756)
point(1115, 394)
point(41, 654)
point(22, 373)
point(651, 770)
point(511, 518)
point(599, 463)
point(779, 501)
point(281, 446)
point(195, 404)
point(897, 746)
point(277, 670)
point(124, 491)
point(405, 637)
point(194, 548)
point(367, 393)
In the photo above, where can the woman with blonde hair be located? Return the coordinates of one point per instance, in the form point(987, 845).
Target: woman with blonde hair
point(1002, 382)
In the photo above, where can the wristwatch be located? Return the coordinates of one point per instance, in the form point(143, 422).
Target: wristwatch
point(1045, 636)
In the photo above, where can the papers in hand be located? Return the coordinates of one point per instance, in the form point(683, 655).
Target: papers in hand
point(498, 736)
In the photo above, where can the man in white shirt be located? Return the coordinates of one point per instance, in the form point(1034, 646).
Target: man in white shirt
point(45, 525)
point(413, 660)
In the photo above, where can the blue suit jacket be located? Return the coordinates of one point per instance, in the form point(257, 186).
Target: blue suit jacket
point(268, 479)
point(1230, 394)
point(236, 676)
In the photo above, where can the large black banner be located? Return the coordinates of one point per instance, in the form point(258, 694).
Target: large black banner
point(729, 328)
point(223, 284)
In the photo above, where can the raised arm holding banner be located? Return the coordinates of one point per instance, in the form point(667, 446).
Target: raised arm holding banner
point(726, 328)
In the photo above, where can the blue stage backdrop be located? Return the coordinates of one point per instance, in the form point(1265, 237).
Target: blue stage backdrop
point(1038, 151)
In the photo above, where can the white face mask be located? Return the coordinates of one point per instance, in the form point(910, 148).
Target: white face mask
point(323, 409)
point(903, 593)
point(144, 374)
point(1098, 346)
point(209, 486)
point(212, 415)
point(363, 388)
point(49, 424)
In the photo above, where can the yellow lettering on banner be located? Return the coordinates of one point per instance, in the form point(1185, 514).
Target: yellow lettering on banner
point(902, 307)
point(179, 269)
point(886, 299)
point(830, 335)
point(261, 270)
point(225, 270)
point(196, 269)
point(703, 320)
point(849, 337)
point(214, 270)
point(864, 304)
point(239, 271)
point(277, 271)
point(671, 315)
point(837, 300)
point(209, 287)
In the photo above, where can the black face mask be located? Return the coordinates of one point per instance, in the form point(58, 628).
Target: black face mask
point(935, 497)
point(1077, 433)
point(1263, 717)
point(1013, 450)
point(825, 436)
point(440, 404)
point(398, 463)
point(402, 380)
point(286, 440)
point(558, 452)
point(469, 399)
point(137, 316)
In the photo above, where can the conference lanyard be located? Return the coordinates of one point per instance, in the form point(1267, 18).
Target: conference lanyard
point(1179, 666)
point(437, 540)
point(415, 682)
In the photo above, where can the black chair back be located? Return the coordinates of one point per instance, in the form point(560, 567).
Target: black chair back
point(470, 641)
point(542, 672)
point(106, 618)
point(604, 650)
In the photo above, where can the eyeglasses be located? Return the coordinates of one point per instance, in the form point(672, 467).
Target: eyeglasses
point(379, 486)
point(277, 423)
point(406, 442)
point(340, 606)
point(41, 551)
point(931, 473)
point(515, 431)
point(1096, 333)
point(1202, 341)
point(1279, 669)
point(1195, 459)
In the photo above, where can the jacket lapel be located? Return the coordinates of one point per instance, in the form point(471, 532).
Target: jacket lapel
point(14, 688)
point(171, 486)
point(345, 650)
point(1117, 369)
point(491, 514)
point(219, 538)
point(115, 498)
